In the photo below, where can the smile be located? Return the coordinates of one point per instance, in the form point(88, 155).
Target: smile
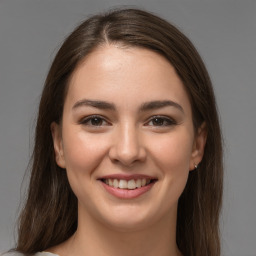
point(127, 187)
point(127, 184)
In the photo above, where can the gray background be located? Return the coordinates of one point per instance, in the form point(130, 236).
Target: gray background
point(223, 31)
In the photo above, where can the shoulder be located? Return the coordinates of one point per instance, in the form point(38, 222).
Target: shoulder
point(11, 254)
point(45, 254)
point(21, 254)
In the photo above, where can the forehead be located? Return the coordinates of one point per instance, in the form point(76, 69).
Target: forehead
point(126, 75)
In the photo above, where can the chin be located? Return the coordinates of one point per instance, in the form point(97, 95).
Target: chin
point(128, 224)
point(131, 218)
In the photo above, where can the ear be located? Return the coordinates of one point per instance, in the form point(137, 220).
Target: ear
point(58, 144)
point(198, 147)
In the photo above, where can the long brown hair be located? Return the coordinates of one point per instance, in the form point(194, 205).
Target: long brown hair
point(49, 216)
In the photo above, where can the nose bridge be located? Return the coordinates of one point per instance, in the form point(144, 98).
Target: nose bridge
point(128, 147)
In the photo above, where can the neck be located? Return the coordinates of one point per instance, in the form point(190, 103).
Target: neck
point(94, 238)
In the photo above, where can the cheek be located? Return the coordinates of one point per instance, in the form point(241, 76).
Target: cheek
point(172, 152)
point(82, 151)
point(83, 154)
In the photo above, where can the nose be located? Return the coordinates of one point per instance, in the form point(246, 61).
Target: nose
point(127, 147)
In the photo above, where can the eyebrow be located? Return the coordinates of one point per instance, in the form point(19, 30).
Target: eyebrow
point(94, 103)
point(152, 105)
point(160, 104)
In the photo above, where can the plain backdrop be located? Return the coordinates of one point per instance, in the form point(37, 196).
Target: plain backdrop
point(224, 32)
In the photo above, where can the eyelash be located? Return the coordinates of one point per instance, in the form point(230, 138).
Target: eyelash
point(85, 121)
point(164, 121)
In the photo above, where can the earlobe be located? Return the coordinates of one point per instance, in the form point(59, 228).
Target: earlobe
point(198, 147)
point(58, 145)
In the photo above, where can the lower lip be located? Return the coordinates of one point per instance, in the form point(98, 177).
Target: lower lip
point(127, 193)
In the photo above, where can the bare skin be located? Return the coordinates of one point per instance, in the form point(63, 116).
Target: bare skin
point(126, 113)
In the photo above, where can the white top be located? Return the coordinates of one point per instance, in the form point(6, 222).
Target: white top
point(37, 254)
point(45, 254)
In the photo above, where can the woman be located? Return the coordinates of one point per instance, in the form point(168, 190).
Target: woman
point(128, 155)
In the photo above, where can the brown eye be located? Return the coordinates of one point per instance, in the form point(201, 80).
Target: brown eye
point(94, 121)
point(161, 121)
point(158, 121)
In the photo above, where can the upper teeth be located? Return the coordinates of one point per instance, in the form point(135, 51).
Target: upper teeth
point(127, 184)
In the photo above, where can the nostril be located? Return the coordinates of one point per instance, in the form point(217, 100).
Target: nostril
point(126, 145)
point(127, 156)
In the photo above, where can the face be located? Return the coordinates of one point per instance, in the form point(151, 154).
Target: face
point(127, 139)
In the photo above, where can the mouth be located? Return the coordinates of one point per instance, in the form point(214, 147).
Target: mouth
point(127, 187)
point(130, 184)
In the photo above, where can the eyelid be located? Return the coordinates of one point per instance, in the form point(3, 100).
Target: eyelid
point(171, 121)
point(86, 119)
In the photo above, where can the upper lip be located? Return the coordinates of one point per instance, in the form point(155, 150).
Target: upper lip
point(127, 177)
